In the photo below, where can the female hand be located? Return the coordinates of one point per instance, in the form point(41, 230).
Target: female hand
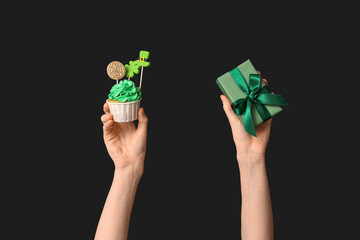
point(247, 146)
point(125, 143)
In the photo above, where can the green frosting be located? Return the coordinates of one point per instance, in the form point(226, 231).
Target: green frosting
point(125, 91)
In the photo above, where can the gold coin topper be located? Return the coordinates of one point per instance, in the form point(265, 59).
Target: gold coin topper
point(116, 70)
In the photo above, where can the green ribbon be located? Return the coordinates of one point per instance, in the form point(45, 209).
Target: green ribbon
point(254, 95)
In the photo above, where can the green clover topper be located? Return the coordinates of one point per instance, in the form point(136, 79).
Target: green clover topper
point(133, 67)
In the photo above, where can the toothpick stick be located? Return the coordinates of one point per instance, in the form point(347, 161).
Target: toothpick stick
point(117, 81)
point(141, 74)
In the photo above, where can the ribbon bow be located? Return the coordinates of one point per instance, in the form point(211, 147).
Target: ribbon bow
point(254, 95)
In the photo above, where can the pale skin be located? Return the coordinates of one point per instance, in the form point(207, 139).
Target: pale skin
point(126, 145)
point(256, 210)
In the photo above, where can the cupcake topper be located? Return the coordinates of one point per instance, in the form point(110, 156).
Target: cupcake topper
point(116, 70)
point(133, 67)
point(143, 61)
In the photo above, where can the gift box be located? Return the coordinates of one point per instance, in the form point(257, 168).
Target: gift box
point(250, 97)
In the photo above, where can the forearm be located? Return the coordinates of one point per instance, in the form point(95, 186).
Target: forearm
point(114, 220)
point(256, 211)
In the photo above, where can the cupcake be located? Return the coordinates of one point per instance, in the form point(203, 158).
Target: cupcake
point(124, 101)
point(124, 97)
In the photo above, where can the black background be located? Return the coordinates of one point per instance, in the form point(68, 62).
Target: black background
point(190, 188)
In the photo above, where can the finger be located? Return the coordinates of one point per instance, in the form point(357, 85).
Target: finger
point(106, 108)
point(103, 118)
point(108, 126)
point(106, 117)
point(267, 84)
point(143, 121)
point(258, 72)
point(265, 81)
point(231, 115)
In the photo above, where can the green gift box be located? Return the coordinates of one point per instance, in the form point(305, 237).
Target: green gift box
point(250, 97)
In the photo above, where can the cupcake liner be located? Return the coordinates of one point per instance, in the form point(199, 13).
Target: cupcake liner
point(124, 112)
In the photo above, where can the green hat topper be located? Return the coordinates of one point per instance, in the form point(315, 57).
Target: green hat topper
point(133, 67)
point(144, 59)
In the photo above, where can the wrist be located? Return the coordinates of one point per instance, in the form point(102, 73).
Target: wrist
point(250, 160)
point(129, 173)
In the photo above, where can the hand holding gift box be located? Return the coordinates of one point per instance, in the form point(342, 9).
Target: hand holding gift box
point(250, 97)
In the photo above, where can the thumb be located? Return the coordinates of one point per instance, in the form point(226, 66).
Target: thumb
point(143, 121)
point(231, 115)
